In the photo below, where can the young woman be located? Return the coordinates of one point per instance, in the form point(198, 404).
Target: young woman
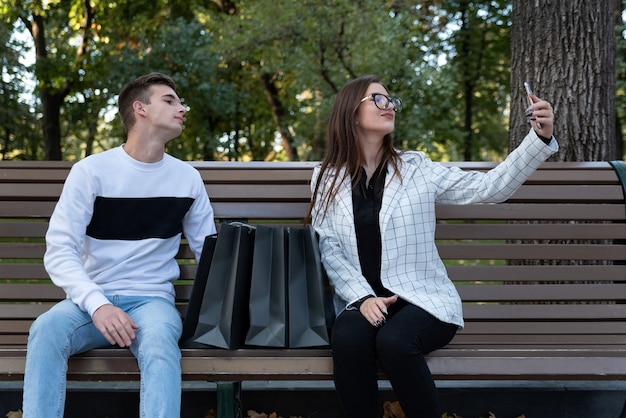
point(374, 210)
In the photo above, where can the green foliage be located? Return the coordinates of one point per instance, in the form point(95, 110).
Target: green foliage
point(259, 77)
point(19, 137)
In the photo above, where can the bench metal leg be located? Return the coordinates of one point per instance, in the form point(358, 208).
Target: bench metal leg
point(229, 400)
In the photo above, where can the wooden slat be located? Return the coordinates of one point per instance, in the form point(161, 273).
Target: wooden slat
point(522, 363)
point(546, 341)
point(533, 251)
point(551, 330)
point(535, 231)
point(30, 292)
point(546, 273)
point(568, 193)
point(28, 191)
point(573, 176)
point(16, 326)
point(543, 292)
point(551, 312)
point(273, 210)
point(23, 271)
point(258, 193)
point(533, 212)
point(22, 250)
point(14, 311)
point(36, 271)
point(25, 210)
point(19, 229)
point(12, 340)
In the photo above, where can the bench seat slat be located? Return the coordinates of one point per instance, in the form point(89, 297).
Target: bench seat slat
point(445, 364)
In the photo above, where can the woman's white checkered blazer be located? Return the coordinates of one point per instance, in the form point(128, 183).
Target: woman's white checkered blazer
point(410, 264)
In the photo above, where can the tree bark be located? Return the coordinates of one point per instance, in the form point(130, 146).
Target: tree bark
point(278, 112)
point(566, 51)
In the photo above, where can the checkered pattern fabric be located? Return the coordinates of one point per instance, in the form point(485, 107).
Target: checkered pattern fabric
point(411, 266)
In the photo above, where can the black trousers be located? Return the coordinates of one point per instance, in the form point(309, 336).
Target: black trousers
point(400, 346)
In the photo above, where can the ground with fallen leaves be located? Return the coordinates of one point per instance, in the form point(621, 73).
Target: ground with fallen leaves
point(391, 410)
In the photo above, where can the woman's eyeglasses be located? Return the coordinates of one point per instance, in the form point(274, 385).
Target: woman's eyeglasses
point(382, 101)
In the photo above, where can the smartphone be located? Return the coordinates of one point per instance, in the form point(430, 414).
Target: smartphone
point(529, 91)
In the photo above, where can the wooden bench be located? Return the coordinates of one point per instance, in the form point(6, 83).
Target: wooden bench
point(542, 276)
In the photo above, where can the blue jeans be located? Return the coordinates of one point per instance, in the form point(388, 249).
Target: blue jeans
point(66, 330)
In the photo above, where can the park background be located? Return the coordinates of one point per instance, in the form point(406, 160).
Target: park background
point(259, 76)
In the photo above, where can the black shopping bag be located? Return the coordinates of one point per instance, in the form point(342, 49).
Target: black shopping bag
point(268, 301)
point(190, 322)
point(223, 318)
point(307, 314)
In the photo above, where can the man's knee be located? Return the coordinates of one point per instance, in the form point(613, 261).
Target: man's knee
point(46, 328)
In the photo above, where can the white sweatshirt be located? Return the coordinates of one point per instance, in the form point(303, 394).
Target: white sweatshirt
point(117, 227)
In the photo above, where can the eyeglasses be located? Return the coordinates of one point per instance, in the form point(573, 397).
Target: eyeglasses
point(382, 101)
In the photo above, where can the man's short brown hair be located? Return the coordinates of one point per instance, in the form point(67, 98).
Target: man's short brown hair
point(139, 89)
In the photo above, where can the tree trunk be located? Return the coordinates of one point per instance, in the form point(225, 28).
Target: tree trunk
point(52, 97)
point(468, 78)
point(51, 123)
point(278, 113)
point(566, 51)
point(621, 56)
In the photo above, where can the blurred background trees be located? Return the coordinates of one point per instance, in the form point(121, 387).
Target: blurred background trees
point(259, 76)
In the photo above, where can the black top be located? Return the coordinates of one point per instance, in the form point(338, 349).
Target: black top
point(367, 200)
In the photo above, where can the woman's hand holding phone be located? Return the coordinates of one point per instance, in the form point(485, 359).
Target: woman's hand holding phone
point(539, 113)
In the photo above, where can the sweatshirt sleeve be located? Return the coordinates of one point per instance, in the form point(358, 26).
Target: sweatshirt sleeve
point(199, 221)
point(64, 240)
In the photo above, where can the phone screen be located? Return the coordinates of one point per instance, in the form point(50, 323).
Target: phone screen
point(529, 91)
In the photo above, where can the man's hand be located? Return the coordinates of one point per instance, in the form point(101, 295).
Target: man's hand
point(115, 324)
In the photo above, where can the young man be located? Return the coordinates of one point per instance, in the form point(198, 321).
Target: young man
point(111, 245)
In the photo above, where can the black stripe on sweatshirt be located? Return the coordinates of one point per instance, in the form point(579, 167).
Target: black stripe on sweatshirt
point(137, 218)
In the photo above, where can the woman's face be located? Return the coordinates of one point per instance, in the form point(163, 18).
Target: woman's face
point(372, 117)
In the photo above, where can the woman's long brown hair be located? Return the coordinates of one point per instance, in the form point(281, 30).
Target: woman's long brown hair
point(342, 147)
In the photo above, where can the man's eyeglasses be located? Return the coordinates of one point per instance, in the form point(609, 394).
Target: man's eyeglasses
point(382, 101)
